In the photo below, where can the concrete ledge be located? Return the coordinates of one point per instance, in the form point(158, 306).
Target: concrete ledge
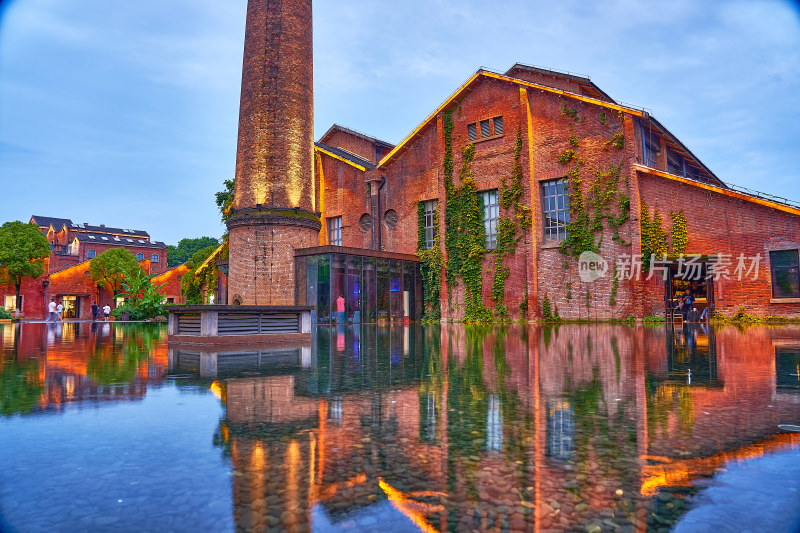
point(262, 340)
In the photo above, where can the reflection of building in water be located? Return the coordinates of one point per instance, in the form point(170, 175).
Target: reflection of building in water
point(76, 364)
point(462, 429)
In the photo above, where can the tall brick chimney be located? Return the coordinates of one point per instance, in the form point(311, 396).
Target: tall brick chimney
point(273, 206)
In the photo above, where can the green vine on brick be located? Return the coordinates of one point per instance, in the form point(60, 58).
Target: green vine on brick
point(612, 299)
point(515, 214)
point(465, 237)
point(679, 232)
point(431, 264)
point(653, 237)
point(605, 200)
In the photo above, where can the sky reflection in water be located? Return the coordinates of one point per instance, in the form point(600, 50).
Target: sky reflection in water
point(580, 427)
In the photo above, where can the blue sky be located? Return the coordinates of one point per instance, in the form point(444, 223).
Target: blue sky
point(125, 113)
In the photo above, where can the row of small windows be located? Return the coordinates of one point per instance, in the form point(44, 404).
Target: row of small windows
point(91, 253)
point(483, 129)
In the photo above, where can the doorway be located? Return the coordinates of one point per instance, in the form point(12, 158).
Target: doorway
point(71, 306)
point(697, 278)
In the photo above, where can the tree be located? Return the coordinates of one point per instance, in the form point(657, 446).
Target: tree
point(144, 298)
point(109, 267)
point(224, 200)
point(177, 255)
point(23, 250)
point(191, 284)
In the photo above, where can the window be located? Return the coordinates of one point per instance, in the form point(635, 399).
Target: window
point(154, 258)
point(140, 256)
point(90, 253)
point(335, 231)
point(491, 212)
point(555, 208)
point(484, 129)
point(785, 270)
point(429, 209)
point(390, 219)
point(651, 146)
point(11, 303)
point(675, 163)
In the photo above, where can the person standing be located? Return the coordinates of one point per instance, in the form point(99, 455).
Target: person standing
point(95, 310)
point(106, 311)
point(687, 303)
point(60, 312)
point(51, 310)
point(340, 309)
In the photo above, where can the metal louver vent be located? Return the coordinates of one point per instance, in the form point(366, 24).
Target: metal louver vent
point(485, 128)
point(498, 125)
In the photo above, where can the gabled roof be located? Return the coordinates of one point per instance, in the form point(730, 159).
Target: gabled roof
point(336, 127)
point(582, 80)
point(112, 239)
point(45, 222)
point(345, 156)
point(481, 74)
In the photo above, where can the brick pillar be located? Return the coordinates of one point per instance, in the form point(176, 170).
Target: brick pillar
point(273, 206)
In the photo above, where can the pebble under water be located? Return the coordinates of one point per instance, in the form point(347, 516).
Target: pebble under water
point(576, 428)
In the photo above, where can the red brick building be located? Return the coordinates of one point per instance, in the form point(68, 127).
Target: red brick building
point(545, 149)
point(67, 275)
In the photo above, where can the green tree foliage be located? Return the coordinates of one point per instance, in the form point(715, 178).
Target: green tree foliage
point(109, 268)
point(224, 200)
point(143, 298)
point(191, 283)
point(177, 255)
point(23, 250)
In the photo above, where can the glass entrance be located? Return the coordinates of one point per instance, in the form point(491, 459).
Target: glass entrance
point(71, 306)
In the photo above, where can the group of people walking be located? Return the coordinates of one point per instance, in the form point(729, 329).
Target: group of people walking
point(55, 311)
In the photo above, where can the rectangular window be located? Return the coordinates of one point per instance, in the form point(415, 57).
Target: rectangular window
point(154, 258)
point(651, 146)
point(472, 131)
point(498, 125)
point(11, 302)
point(485, 129)
point(675, 163)
point(335, 231)
point(430, 222)
point(785, 270)
point(555, 207)
point(90, 253)
point(491, 212)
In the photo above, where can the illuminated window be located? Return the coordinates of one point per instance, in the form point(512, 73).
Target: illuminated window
point(430, 222)
point(785, 270)
point(154, 258)
point(90, 253)
point(11, 302)
point(140, 256)
point(491, 212)
point(555, 207)
point(485, 129)
point(335, 231)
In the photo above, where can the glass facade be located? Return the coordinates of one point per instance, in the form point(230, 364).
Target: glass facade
point(356, 289)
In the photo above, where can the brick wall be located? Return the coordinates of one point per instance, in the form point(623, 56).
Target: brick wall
point(261, 263)
point(718, 223)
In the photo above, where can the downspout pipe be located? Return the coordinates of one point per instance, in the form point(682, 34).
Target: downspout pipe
point(378, 214)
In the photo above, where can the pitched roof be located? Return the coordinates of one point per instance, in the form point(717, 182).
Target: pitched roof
point(116, 240)
point(45, 222)
point(582, 80)
point(348, 157)
point(373, 140)
point(482, 73)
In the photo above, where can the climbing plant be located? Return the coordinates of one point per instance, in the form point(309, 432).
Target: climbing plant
point(605, 203)
point(653, 237)
point(678, 231)
point(465, 236)
point(514, 215)
point(431, 264)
